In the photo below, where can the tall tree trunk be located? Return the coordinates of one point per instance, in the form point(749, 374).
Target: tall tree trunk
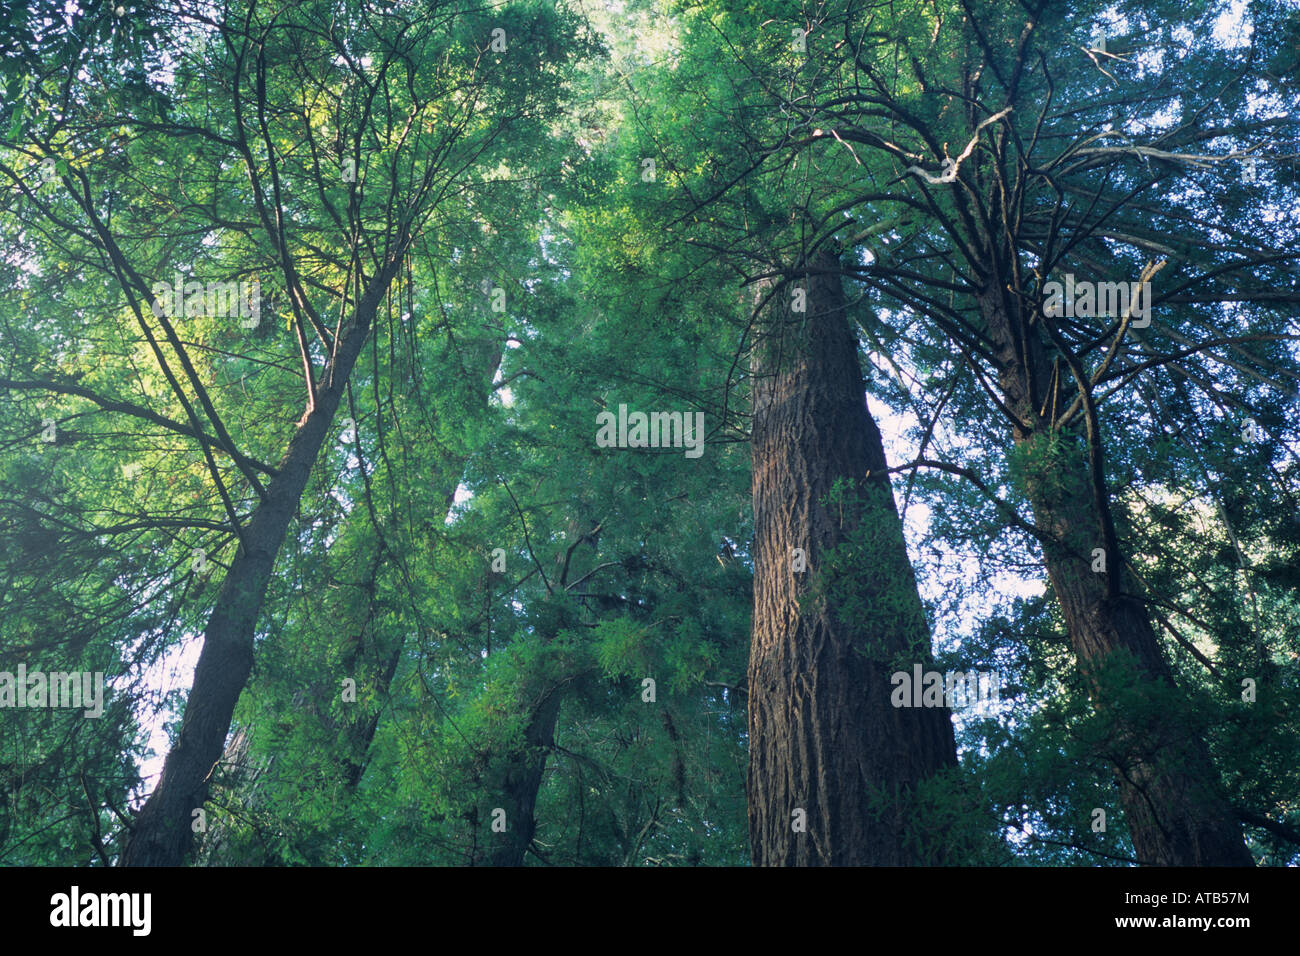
point(824, 737)
point(161, 832)
point(1169, 788)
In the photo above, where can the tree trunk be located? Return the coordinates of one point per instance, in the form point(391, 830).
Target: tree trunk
point(522, 777)
point(824, 737)
point(523, 781)
point(1169, 788)
point(161, 833)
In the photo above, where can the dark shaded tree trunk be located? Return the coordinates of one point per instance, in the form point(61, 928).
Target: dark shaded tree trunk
point(362, 732)
point(523, 781)
point(161, 833)
point(1169, 788)
point(824, 736)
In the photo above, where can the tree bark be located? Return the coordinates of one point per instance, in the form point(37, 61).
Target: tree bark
point(1176, 812)
point(824, 737)
point(161, 833)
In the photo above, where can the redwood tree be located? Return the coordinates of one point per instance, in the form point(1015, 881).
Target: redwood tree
point(834, 766)
point(981, 165)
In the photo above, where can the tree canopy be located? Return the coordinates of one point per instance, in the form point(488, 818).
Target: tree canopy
point(562, 433)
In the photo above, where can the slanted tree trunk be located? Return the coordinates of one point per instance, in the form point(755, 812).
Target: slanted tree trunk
point(161, 833)
point(824, 737)
point(1169, 788)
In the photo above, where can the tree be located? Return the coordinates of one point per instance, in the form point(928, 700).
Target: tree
point(818, 671)
point(834, 762)
point(417, 104)
point(993, 166)
point(342, 347)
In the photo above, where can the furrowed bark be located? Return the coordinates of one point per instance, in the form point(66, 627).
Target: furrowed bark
point(1169, 788)
point(161, 834)
point(824, 735)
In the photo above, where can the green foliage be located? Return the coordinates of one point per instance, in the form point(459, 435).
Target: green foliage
point(523, 170)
